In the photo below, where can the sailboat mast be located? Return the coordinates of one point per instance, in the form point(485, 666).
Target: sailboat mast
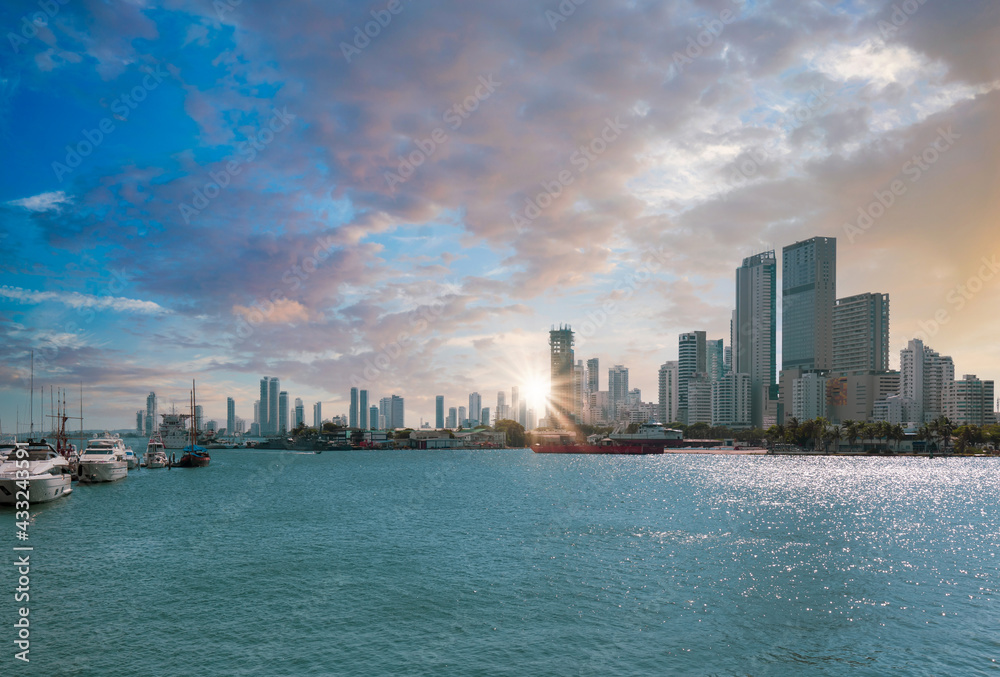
point(31, 400)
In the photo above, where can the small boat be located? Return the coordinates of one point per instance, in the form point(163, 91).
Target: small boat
point(156, 455)
point(47, 477)
point(104, 459)
point(131, 459)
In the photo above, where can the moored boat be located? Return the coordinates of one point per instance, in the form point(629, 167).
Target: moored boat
point(155, 456)
point(131, 459)
point(194, 456)
point(620, 449)
point(104, 459)
point(36, 471)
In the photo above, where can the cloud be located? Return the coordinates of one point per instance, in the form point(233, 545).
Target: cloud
point(78, 300)
point(43, 202)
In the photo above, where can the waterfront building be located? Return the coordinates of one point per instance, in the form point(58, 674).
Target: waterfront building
point(230, 415)
point(318, 416)
point(691, 360)
point(579, 386)
point(283, 412)
point(273, 388)
point(731, 401)
point(352, 413)
point(140, 421)
point(808, 296)
point(199, 416)
point(391, 409)
point(617, 391)
point(530, 417)
point(809, 396)
point(363, 409)
point(439, 412)
point(373, 417)
point(715, 364)
point(969, 401)
point(923, 377)
point(151, 424)
point(463, 419)
point(667, 409)
point(300, 413)
point(522, 413)
point(561, 370)
point(452, 421)
point(261, 418)
point(475, 409)
point(852, 395)
point(753, 331)
point(484, 416)
point(861, 333)
point(593, 375)
point(894, 409)
point(255, 429)
point(699, 399)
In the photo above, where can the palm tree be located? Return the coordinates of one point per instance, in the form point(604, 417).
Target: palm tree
point(868, 431)
point(834, 434)
point(792, 431)
point(898, 434)
point(819, 431)
point(924, 433)
point(884, 430)
point(945, 429)
point(851, 431)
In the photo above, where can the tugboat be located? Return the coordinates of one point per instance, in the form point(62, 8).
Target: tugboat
point(194, 456)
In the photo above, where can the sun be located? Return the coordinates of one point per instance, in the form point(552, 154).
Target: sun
point(536, 391)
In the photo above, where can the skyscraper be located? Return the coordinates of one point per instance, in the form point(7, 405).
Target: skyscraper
point(363, 409)
point(924, 377)
point(515, 405)
point(475, 408)
point(140, 420)
point(715, 363)
point(230, 416)
point(152, 422)
point(373, 417)
point(861, 333)
point(300, 413)
point(579, 388)
point(439, 412)
point(561, 363)
point(318, 416)
point(691, 360)
point(484, 416)
point(969, 401)
point(452, 421)
point(731, 401)
point(501, 412)
point(593, 375)
point(617, 389)
point(391, 409)
point(283, 413)
point(754, 329)
point(199, 417)
point(263, 409)
point(463, 419)
point(352, 416)
point(667, 411)
point(808, 296)
point(272, 405)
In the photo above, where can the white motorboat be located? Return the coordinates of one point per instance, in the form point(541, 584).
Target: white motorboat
point(37, 472)
point(131, 459)
point(104, 459)
point(7, 447)
point(156, 455)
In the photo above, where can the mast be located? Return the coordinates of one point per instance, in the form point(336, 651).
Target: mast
point(31, 400)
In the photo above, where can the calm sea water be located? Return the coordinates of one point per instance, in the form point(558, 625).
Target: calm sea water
point(511, 563)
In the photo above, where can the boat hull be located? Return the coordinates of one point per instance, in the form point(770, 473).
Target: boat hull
point(103, 472)
point(192, 461)
point(156, 461)
point(636, 450)
point(41, 489)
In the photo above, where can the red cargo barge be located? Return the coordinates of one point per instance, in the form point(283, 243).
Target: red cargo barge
point(631, 450)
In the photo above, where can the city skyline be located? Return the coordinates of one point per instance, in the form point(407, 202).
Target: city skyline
point(200, 194)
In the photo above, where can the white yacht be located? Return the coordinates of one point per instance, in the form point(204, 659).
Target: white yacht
point(47, 476)
point(7, 447)
point(131, 458)
point(156, 455)
point(104, 459)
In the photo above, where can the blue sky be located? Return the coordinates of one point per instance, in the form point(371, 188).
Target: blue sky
point(232, 214)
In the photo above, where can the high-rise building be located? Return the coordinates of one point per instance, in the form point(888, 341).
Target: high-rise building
point(392, 409)
point(969, 401)
point(230, 416)
point(152, 420)
point(861, 333)
point(809, 396)
point(522, 413)
point(373, 417)
point(352, 416)
point(715, 359)
point(439, 412)
point(731, 401)
point(140, 420)
point(283, 412)
point(593, 375)
point(691, 360)
point(273, 388)
point(363, 409)
point(515, 405)
point(924, 376)
point(753, 329)
point(617, 390)
point(263, 409)
point(484, 416)
point(530, 421)
point(667, 410)
point(699, 398)
point(808, 296)
point(475, 409)
point(256, 413)
point(318, 416)
point(463, 419)
point(501, 412)
point(561, 362)
point(300, 413)
point(452, 421)
point(579, 386)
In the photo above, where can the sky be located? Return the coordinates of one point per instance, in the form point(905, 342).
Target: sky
point(406, 196)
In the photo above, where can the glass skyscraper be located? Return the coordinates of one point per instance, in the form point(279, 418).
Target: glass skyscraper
point(754, 328)
point(808, 295)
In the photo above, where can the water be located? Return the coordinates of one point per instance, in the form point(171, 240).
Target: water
point(511, 563)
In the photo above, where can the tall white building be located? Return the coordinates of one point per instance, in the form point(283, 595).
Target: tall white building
point(969, 401)
point(809, 396)
point(300, 412)
point(152, 421)
point(230, 416)
point(617, 390)
point(753, 330)
point(475, 409)
point(924, 376)
point(691, 360)
point(861, 333)
point(699, 399)
point(283, 413)
point(318, 416)
point(579, 388)
point(731, 401)
point(667, 409)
